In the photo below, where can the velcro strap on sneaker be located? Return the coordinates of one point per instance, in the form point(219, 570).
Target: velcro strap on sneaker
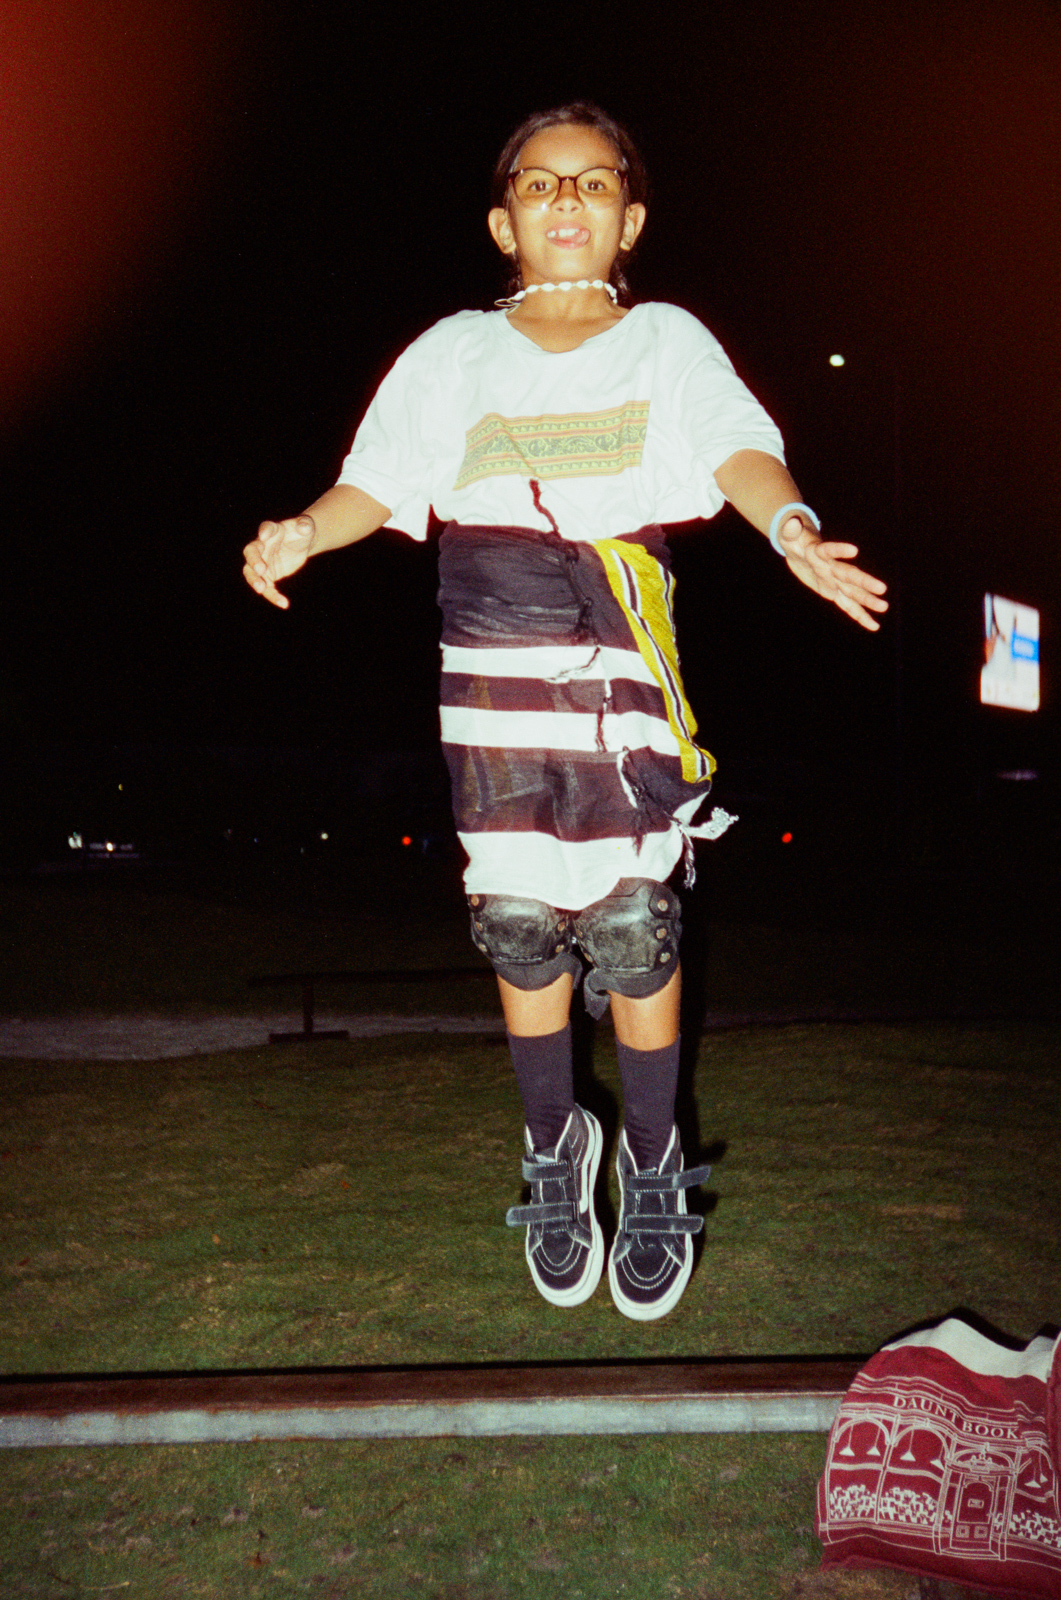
point(655, 1183)
point(536, 1216)
point(635, 1223)
point(544, 1171)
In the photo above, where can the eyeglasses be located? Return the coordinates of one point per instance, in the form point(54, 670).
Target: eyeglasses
point(538, 187)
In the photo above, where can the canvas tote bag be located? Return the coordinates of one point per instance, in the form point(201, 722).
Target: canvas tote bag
point(945, 1461)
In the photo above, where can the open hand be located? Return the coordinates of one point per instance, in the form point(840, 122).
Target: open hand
point(824, 565)
point(280, 549)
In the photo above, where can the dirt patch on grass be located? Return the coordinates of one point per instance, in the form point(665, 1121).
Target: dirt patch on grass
point(877, 1583)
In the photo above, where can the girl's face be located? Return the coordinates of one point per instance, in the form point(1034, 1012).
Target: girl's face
point(566, 238)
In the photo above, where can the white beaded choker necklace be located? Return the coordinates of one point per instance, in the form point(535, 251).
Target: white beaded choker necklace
point(548, 288)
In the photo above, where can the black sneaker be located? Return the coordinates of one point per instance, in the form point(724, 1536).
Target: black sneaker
point(652, 1256)
point(565, 1246)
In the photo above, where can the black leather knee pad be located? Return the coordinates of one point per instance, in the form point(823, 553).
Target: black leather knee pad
point(529, 943)
point(631, 937)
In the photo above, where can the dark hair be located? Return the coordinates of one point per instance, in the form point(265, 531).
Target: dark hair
point(580, 114)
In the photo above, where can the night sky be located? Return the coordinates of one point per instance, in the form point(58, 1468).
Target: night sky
point(222, 224)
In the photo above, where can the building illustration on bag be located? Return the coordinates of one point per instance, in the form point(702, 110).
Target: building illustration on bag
point(919, 1464)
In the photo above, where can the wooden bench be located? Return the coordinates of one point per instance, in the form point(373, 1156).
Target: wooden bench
point(308, 981)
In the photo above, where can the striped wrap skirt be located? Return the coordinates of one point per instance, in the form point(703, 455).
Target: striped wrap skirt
point(565, 727)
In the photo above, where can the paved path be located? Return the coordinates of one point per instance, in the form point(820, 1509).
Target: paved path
point(150, 1038)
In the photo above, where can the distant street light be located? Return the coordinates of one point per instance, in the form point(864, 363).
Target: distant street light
point(836, 361)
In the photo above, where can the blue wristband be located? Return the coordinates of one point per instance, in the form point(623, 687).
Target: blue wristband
point(782, 516)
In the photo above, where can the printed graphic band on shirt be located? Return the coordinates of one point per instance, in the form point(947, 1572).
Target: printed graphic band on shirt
point(590, 444)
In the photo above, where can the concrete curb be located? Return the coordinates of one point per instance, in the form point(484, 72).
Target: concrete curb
point(785, 1396)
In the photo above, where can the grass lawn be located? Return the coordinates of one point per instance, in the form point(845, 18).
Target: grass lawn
point(343, 1203)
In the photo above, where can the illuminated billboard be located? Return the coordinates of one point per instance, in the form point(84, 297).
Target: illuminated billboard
point(1010, 673)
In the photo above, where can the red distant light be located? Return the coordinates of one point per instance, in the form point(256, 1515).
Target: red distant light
point(406, 840)
point(786, 838)
point(110, 117)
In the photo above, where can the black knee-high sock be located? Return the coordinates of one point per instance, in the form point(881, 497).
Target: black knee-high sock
point(543, 1073)
point(650, 1082)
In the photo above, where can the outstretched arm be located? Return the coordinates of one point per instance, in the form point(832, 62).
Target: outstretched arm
point(759, 485)
point(341, 516)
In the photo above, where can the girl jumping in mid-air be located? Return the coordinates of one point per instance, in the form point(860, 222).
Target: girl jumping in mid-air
point(553, 435)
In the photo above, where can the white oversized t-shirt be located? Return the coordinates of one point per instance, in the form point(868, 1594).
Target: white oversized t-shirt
point(624, 431)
